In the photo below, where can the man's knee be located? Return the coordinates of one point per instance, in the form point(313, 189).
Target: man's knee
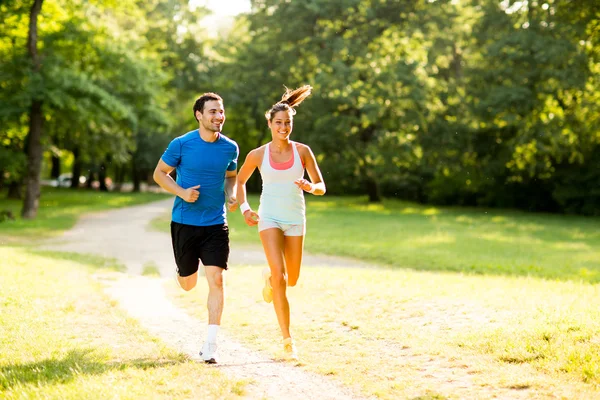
point(186, 283)
point(215, 279)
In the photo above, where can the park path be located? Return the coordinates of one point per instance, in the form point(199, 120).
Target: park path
point(124, 234)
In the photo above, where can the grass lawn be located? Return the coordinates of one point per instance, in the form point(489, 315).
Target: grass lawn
point(518, 322)
point(477, 241)
point(62, 338)
point(517, 316)
point(403, 334)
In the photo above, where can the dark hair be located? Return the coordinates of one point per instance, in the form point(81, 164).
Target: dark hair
point(289, 100)
point(199, 104)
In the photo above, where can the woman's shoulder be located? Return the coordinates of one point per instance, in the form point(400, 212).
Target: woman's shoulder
point(257, 153)
point(302, 148)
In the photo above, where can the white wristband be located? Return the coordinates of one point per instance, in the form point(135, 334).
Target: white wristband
point(244, 207)
point(313, 188)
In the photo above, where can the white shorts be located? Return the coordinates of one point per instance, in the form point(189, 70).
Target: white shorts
point(287, 229)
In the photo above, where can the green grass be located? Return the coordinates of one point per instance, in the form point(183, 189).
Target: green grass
point(62, 338)
point(475, 241)
point(396, 334)
point(59, 210)
point(150, 269)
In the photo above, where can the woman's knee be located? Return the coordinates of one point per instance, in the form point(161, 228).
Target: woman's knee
point(292, 282)
point(278, 280)
point(293, 273)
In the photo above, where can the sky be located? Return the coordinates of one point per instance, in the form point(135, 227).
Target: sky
point(223, 11)
point(224, 8)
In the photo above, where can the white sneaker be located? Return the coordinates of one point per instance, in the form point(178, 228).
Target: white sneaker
point(209, 353)
point(289, 350)
point(267, 291)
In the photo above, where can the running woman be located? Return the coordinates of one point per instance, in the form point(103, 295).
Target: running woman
point(281, 216)
point(206, 164)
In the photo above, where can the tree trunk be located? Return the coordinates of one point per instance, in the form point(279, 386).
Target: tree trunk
point(36, 118)
point(372, 188)
point(55, 172)
point(135, 175)
point(76, 172)
point(102, 178)
point(119, 177)
point(90, 179)
point(34, 162)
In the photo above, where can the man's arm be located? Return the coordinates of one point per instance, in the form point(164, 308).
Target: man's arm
point(246, 171)
point(231, 189)
point(164, 180)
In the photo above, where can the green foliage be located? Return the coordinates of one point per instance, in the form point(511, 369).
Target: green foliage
point(490, 103)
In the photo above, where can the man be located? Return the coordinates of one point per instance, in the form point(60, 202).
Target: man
point(206, 165)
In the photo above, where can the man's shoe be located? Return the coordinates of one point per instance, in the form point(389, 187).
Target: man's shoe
point(209, 353)
point(267, 291)
point(289, 350)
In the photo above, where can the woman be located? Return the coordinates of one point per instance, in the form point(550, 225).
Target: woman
point(281, 215)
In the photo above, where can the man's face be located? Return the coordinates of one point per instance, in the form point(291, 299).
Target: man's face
point(213, 116)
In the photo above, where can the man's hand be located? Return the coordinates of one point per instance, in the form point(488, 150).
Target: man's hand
point(191, 194)
point(251, 218)
point(232, 204)
point(304, 184)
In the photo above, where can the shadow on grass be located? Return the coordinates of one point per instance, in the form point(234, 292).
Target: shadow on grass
point(91, 260)
point(75, 363)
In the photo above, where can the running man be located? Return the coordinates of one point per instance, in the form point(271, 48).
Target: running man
point(281, 216)
point(206, 164)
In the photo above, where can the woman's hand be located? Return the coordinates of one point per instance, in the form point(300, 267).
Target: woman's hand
point(304, 184)
point(251, 218)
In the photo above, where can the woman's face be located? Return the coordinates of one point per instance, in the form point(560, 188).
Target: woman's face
point(281, 125)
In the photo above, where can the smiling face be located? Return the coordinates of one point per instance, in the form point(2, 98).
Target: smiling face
point(212, 117)
point(281, 125)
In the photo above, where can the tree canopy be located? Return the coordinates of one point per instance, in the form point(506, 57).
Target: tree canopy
point(480, 103)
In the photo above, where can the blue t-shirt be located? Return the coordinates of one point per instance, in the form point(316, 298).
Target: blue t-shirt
point(201, 163)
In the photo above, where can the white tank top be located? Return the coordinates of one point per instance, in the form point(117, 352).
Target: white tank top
point(281, 200)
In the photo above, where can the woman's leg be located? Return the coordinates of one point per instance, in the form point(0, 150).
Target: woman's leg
point(273, 245)
point(294, 246)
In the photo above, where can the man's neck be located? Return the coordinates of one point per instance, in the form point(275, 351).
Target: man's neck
point(208, 136)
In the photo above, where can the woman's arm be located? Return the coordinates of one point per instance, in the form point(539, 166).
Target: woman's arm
point(316, 185)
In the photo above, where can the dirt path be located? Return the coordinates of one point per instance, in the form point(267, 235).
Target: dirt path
point(123, 234)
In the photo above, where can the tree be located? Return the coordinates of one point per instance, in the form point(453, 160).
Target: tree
point(36, 119)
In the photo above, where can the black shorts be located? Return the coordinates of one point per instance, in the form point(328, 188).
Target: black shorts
point(210, 244)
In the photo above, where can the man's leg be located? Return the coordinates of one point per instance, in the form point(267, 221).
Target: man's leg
point(187, 283)
point(214, 255)
point(216, 298)
point(186, 255)
point(214, 277)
